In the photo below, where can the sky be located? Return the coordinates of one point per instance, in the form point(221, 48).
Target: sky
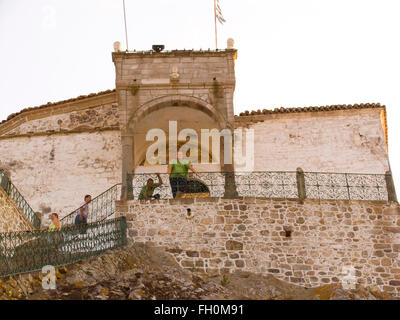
point(291, 53)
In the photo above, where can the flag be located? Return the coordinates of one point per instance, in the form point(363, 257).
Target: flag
point(218, 13)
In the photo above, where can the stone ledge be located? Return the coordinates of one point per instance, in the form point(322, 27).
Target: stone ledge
point(60, 107)
point(172, 53)
point(393, 210)
point(60, 132)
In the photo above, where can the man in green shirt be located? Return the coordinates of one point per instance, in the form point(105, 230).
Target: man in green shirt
point(148, 189)
point(178, 174)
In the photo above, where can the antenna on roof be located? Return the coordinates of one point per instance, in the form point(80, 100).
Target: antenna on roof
point(126, 29)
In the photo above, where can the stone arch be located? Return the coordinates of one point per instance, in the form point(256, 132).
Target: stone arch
point(176, 100)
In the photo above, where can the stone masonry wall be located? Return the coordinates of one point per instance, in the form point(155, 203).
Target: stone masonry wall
point(146, 76)
point(54, 172)
point(11, 219)
point(308, 244)
point(351, 141)
point(99, 117)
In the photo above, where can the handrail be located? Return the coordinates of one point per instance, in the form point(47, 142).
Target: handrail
point(100, 208)
point(16, 196)
point(27, 251)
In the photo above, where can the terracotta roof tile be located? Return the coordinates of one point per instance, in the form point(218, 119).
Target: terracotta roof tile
point(311, 109)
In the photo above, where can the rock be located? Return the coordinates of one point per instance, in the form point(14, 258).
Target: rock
point(233, 245)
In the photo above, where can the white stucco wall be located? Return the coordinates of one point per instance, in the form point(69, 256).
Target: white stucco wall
point(349, 141)
point(54, 172)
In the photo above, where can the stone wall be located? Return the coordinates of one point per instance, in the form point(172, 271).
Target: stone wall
point(309, 244)
point(98, 117)
point(144, 76)
point(11, 218)
point(351, 141)
point(54, 172)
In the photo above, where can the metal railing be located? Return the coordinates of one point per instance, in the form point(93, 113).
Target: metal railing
point(272, 184)
point(19, 200)
point(214, 184)
point(100, 208)
point(29, 251)
point(348, 186)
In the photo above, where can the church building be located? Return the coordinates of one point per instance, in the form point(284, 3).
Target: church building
point(58, 152)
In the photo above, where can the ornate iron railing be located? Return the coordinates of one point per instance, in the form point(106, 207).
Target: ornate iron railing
point(214, 184)
point(266, 184)
point(29, 251)
point(100, 208)
point(347, 186)
point(272, 184)
point(18, 199)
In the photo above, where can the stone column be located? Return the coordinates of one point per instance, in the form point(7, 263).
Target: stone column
point(127, 165)
point(228, 169)
point(230, 183)
point(390, 186)
point(301, 184)
point(4, 180)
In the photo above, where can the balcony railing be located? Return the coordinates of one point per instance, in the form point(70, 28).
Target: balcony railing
point(347, 186)
point(274, 184)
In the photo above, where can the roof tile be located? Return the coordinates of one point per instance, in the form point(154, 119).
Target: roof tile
point(311, 109)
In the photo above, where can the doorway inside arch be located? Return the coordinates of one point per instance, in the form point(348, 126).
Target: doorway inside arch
point(185, 118)
point(195, 189)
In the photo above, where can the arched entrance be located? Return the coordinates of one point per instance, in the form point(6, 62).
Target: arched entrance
point(185, 112)
point(172, 115)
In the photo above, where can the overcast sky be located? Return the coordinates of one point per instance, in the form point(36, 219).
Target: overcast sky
point(291, 53)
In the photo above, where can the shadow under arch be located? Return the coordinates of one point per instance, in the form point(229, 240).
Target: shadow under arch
point(195, 186)
point(176, 100)
point(141, 156)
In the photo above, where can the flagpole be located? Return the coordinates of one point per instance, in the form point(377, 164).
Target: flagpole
point(215, 22)
point(126, 29)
